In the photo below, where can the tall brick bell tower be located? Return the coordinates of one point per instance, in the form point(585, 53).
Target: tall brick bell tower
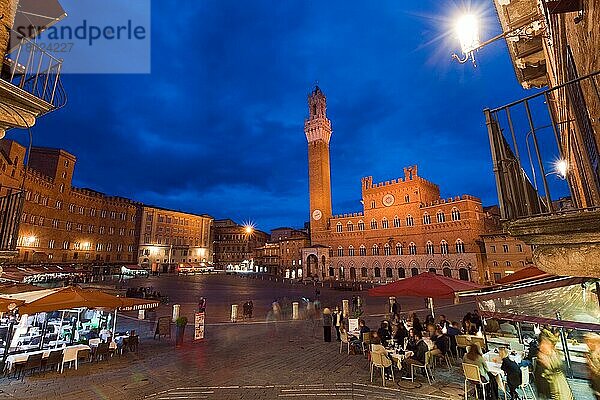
point(318, 133)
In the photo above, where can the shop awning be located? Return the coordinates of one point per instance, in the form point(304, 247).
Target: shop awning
point(525, 274)
point(132, 304)
point(70, 297)
point(424, 285)
point(9, 304)
point(12, 288)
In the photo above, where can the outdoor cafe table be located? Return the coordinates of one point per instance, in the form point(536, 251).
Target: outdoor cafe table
point(494, 364)
point(12, 359)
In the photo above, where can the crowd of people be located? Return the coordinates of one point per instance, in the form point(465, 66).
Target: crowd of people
point(438, 337)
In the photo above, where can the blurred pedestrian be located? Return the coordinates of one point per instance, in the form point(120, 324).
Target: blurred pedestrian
point(593, 359)
point(337, 321)
point(550, 379)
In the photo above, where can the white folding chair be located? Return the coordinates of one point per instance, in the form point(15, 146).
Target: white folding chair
point(344, 339)
point(472, 375)
point(426, 367)
point(379, 360)
point(525, 383)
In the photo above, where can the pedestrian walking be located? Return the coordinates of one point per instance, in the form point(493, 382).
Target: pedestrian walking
point(593, 359)
point(550, 379)
point(327, 325)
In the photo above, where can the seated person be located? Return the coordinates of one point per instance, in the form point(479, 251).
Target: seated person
point(411, 344)
point(105, 333)
point(384, 333)
point(441, 343)
point(507, 327)
point(430, 330)
point(401, 334)
point(418, 355)
point(512, 371)
point(475, 357)
point(444, 323)
point(377, 347)
point(363, 328)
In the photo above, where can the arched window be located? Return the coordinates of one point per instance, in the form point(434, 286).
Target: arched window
point(455, 214)
point(463, 274)
point(377, 272)
point(447, 272)
point(350, 226)
point(330, 254)
point(389, 273)
point(508, 264)
point(340, 251)
point(361, 225)
point(338, 227)
point(412, 249)
point(351, 251)
point(387, 250)
point(414, 271)
point(362, 250)
point(398, 249)
point(384, 223)
point(407, 199)
point(396, 222)
point(444, 247)
point(401, 273)
point(372, 203)
point(352, 273)
point(375, 250)
point(341, 272)
point(440, 216)
point(495, 263)
point(460, 246)
point(364, 272)
point(433, 270)
point(409, 220)
point(373, 224)
point(426, 219)
point(429, 248)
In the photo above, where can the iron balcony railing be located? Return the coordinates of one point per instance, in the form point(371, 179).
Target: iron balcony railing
point(36, 71)
point(544, 150)
point(11, 206)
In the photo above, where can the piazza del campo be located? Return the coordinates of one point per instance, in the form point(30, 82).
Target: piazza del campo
point(270, 200)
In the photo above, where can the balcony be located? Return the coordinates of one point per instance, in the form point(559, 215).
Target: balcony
point(10, 216)
point(547, 169)
point(30, 85)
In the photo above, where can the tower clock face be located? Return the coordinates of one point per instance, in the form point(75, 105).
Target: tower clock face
point(388, 200)
point(317, 215)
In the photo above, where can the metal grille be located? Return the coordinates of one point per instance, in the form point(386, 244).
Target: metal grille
point(10, 215)
point(532, 137)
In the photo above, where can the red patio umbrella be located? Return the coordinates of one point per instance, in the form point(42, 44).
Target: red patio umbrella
point(427, 284)
point(527, 273)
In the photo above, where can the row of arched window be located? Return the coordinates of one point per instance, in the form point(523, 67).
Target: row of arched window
point(463, 273)
point(430, 248)
point(385, 223)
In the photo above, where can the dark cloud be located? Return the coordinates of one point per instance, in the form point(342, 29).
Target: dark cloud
point(218, 126)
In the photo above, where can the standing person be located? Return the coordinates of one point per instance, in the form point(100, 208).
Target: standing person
point(512, 371)
point(394, 309)
point(549, 376)
point(202, 304)
point(354, 303)
point(327, 325)
point(276, 310)
point(337, 321)
point(359, 303)
point(593, 359)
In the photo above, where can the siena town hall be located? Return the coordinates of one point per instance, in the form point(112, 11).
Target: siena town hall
point(405, 228)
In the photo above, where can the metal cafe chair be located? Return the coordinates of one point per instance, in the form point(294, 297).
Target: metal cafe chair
point(426, 367)
point(379, 360)
point(472, 375)
point(34, 361)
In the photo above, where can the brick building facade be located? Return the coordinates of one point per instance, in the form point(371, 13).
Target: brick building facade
point(169, 239)
point(235, 246)
point(61, 223)
point(405, 227)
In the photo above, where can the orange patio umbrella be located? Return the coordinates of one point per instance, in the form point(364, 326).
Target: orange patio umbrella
point(71, 297)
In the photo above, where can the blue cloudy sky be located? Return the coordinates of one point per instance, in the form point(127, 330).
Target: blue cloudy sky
point(217, 127)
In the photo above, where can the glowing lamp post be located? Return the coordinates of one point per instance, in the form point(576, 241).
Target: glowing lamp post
point(467, 31)
point(561, 168)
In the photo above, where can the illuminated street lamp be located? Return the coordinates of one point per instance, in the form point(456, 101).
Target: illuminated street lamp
point(561, 168)
point(248, 229)
point(30, 240)
point(467, 32)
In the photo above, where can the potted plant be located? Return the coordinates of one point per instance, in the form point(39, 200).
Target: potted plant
point(180, 323)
